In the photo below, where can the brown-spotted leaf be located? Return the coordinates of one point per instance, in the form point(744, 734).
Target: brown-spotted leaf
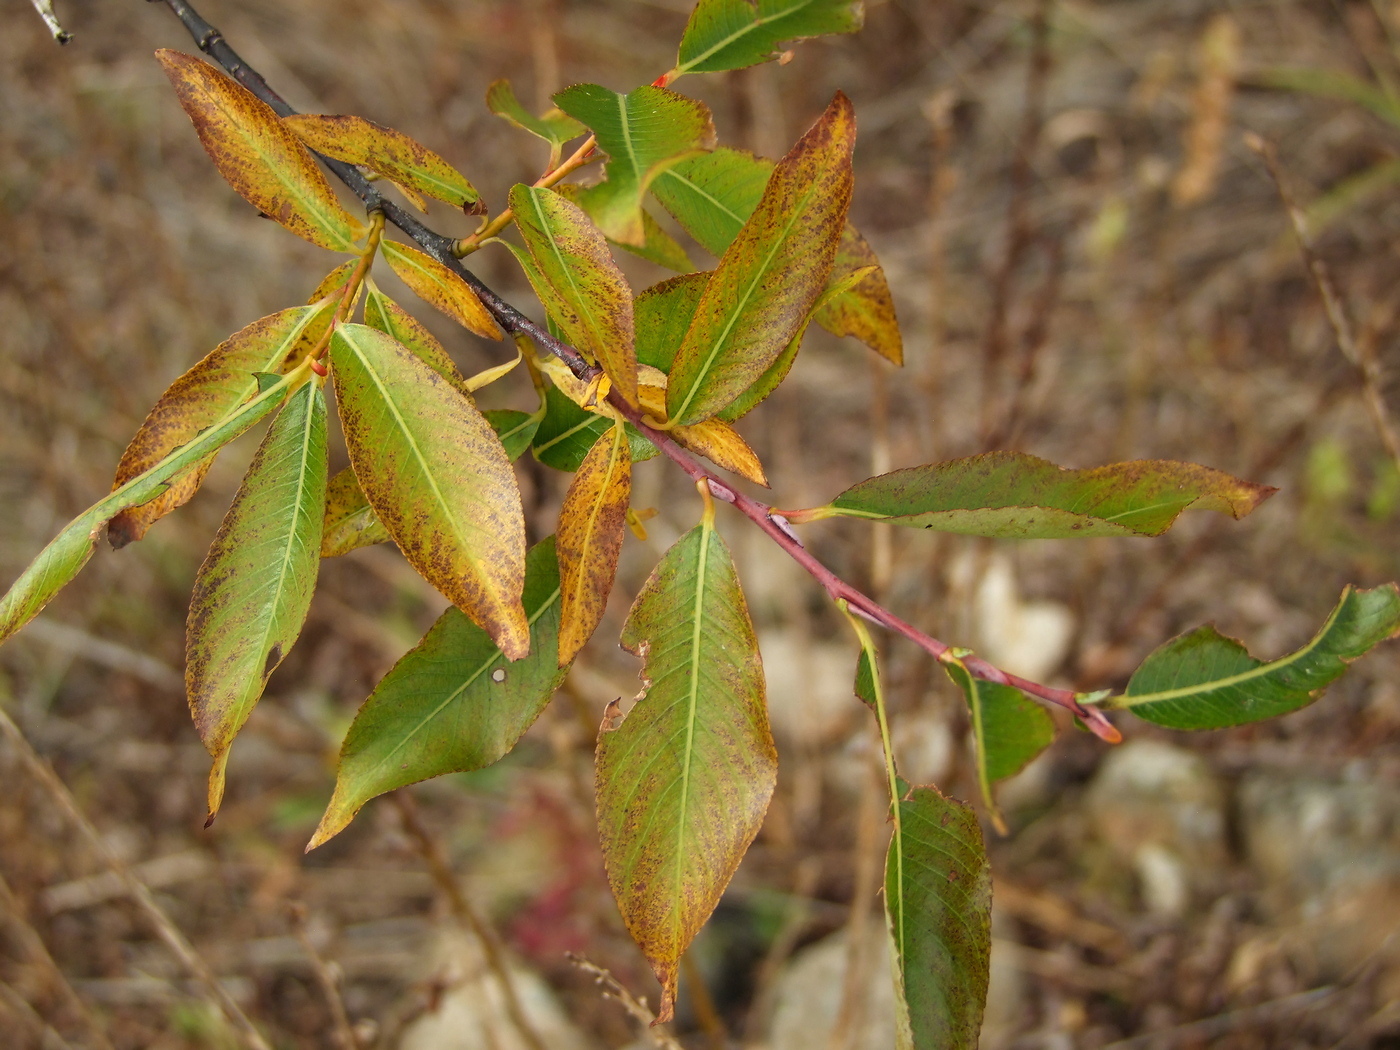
point(438, 286)
point(1011, 495)
point(393, 320)
point(769, 277)
point(436, 475)
point(864, 311)
point(577, 281)
point(589, 538)
point(390, 153)
point(253, 591)
point(335, 281)
point(684, 780)
point(215, 386)
point(258, 156)
point(350, 522)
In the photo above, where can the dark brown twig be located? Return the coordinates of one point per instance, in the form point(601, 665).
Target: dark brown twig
point(440, 247)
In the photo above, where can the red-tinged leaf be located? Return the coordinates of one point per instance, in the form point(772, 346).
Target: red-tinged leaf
point(387, 152)
point(683, 780)
point(438, 286)
point(258, 156)
point(437, 477)
point(350, 522)
point(1011, 495)
point(591, 524)
point(393, 320)
point(573, 273)
point(452, 704)
point(254, 589)
point(938, 903)
point(210, 390)
point(733, 34)
point(643, 133)
point(768, 279)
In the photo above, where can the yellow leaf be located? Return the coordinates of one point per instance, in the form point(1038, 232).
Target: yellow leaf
point(589, 538)
point(258, 156)
point(438, 286)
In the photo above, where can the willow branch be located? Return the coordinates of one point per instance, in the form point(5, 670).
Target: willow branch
point(441, 248)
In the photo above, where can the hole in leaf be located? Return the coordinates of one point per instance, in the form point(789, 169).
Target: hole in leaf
point(274, 657)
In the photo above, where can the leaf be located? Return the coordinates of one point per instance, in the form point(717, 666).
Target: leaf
point(712, 195)
point(516, 429)
point(438, 286)
point(684, 781)
point(732, 34)
point(437, 477)
point(452, 704)
point(350, 522)
point(865, 309)
point(657, 245)
point(1011, 495)
point(554, 126)
point(393, 320)
point(663, 313)
point(642, 132)
point(253, 591)
point(577, 281)
point(70, 550)
point(1008, 730)
point(386, 152)
point(774, 375)
point(938, 903)
point(714, 439)
point(1203, 680)
point(591, 524)
point(218, 384)
point(258, 156)
point(567, 432)
point(771, 275)
point(334, 282)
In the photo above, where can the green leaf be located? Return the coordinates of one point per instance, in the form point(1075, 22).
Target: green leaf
point(684, 780)
point(577, 281)
point(224, 379)
point(732, 34)
point(253, 591)
point(1203, 680)
point(768, 279)
point(452, 704)
point(938, 903)
point(643, 133)
point(386, 152)
point(350, 522)
point(712, 196)
point(657, 245)
point(437, 477)
point(393, 320)
point(1333, 83)
point(70, 550)
point(516, 429)
point(567, 432)
point(1008, 730)
point(258, 156)
point(663, 312)
point(1011, 495)
point(554, 126)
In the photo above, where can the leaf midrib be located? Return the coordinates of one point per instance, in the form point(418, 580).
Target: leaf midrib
point(693, 702)
point(756, 24)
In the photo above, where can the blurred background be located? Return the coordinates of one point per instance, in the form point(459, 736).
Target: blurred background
point(1089, 264)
